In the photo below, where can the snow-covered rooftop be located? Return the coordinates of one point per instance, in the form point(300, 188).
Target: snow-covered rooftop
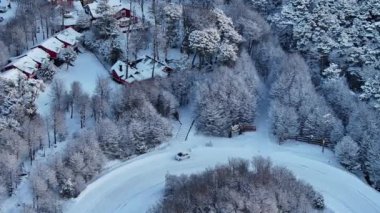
point(140, 71)
point(52, 44)
point(69, 36)
point(115, 5)
point(26, 64)
point(38, 55)
point(12, 74)
point(120, 68)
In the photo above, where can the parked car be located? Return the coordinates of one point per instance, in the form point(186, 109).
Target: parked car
point(1, 19)
point(182, 156)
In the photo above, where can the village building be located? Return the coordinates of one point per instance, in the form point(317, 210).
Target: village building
point(142, 69)
point(69, 37)
point(13, 74)
point(52, 46)
point(119, 10)
point(40, 56)
point(25, 65)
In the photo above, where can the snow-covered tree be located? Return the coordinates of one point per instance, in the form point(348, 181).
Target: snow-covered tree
point(68, 55)
point(227, 53)
point(173, 14)
point(84, 21)
point(147, 126)
point(294, 90)
point(371, 91)
point(285, 121)
point(266, 189)
point(332, 72)
point(226, 28)
point(46, 74)
point(347, 152)
point(106, 25)
point(109, 136)
point(252, 27)
point(224, 101)
point(340, 98)
point(204, 42)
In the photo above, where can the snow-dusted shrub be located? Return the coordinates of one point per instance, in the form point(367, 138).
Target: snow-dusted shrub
point(236, 188)
point(68, 55)
point(347, 152)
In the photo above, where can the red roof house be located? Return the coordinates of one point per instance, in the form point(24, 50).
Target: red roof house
point(69, 37)
point(139, 70)
point(24, 64)
point(40, 56)
point(52, 46)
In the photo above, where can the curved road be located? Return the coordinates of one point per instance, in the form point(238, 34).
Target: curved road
point(136, 185)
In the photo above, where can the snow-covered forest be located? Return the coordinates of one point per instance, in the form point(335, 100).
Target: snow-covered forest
point(300, 70)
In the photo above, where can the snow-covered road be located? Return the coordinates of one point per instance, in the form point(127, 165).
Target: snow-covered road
point(136, 185)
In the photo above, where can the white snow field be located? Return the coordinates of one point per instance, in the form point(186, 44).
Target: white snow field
point(135, 185)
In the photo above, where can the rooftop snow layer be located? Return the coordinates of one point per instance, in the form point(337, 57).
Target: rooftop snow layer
point(141, 71)
point(25, 64)
point(69, 36)
point(12, 74)
point(115, 5)
point(38, 55)
point(52, 44)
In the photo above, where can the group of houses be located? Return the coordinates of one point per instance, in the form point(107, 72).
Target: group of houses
point(47, 52)
point(42, 55)
point(139, 70)
point(119, 9)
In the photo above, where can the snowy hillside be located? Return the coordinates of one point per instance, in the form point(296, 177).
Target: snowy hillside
point(139, 106)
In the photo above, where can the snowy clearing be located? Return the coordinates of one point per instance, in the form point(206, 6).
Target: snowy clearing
point(137, 184)
point(86, 70)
